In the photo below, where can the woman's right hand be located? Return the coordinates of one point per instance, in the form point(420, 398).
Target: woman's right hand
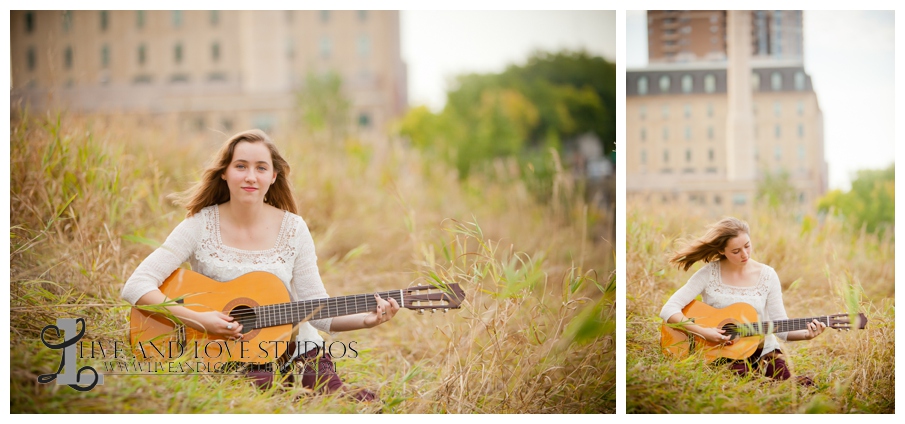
point(715, 335)
point(215, 324)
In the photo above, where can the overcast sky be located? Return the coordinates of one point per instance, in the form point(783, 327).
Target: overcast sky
point(850, 56)
point(437, 45)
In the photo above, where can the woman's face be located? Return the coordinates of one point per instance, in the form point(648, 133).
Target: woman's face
point(250, 173)
point(738, 249)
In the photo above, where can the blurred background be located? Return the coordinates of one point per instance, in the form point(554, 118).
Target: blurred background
point(459, 147)
point(782, 118)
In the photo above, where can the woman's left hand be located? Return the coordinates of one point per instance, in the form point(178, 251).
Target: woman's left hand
point(815, 328)
point(386, 310)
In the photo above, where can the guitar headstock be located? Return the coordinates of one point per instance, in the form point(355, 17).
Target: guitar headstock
point(844, 321)
point(432, 298)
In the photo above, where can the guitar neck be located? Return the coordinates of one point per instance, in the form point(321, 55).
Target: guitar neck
point(294, 312)
point(786, 325)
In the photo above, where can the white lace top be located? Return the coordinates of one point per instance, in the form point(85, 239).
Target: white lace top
point(197, 240)
point(765, 297)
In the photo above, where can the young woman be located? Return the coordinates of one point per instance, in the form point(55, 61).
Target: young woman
point(242, 217)
point(731, 276)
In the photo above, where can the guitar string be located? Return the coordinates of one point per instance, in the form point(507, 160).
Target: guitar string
point(289, 311)
point(781, 326)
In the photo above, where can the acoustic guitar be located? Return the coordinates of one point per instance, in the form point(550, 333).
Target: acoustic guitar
point(260, 302)
point(741, 323)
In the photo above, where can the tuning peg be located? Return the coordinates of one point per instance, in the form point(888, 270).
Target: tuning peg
point(421, 312)
point(445, 310)
point(433, 310)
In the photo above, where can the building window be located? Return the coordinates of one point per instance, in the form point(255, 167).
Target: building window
point(177, 19)
point(666, 156)
point(777, 109)
point(777, 130)
point(105, 56)
point(688, 111)
point(362, 15)
point(642, 86)
point(67, 20)
point(688, 155)
point(739, 199)
point(142, 54)
point(364, 120)
point(777, 152)
point(643, 157)
point(643, 111)
point(215, 52)
point(140, 19)
point(31, 58)
point(215, 17)
point(687, 133)
point(800, 130)
point(364, 45)
point(664, 83)
point(67, 57)
point(710, 133)
point(325, 47)
point(776, 81)
point(290, 48)
point(710, 155)
point(800, 108)
point(709, 110)
point(799, 81)
point(643, 134)
point(325, 16)
point(177, 53)
point(755, 81)
point(665, 111)
point(717, 199)
point(105, 21)
point(687, 83)
point(709, 83)
point(801, 152)
point(665, 133)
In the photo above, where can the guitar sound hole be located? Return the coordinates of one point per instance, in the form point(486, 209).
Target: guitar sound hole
point(732, 331)
point(244, 315)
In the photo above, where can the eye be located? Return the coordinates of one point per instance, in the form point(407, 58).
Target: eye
point(240, 166)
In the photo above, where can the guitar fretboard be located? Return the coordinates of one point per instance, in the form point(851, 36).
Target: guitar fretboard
point(294, 312)
point(778, 326)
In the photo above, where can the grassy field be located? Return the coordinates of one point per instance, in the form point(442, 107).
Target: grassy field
point(823, 268)
point(88, 203)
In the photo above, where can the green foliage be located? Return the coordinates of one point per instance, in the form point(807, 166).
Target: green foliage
point(871, 202)
point(321, 105)
point(776, 190)
point(553, 97)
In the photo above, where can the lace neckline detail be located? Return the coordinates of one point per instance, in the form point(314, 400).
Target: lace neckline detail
point(221, 245)
point(758, 289)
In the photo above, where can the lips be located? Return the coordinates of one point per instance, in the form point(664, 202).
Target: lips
point(249, 189)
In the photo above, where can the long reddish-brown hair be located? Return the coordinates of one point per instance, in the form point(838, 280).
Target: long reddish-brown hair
point(707, 248)
point(213, 190)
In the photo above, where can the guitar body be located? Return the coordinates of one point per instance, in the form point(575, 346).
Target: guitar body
point(153, 335)
point(675, 342)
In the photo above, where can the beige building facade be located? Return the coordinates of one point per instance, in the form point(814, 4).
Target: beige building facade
point(207, 70)
point(676, 137)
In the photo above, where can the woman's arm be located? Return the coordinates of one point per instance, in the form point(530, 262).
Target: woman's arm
point(776, 310)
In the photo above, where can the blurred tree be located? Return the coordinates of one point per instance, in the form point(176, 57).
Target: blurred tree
point(776, 190)
point(321, 105)
point(532, 107)
point(870, 203)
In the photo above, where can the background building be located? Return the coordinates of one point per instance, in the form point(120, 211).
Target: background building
point(689, 140)
point(700, 35)
point(221, 70)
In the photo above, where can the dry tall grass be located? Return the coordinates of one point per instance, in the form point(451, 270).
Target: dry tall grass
point(536, 335)
point(823, 269)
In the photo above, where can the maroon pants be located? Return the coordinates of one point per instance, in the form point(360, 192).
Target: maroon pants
point(774, 365)
point(314, 370)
